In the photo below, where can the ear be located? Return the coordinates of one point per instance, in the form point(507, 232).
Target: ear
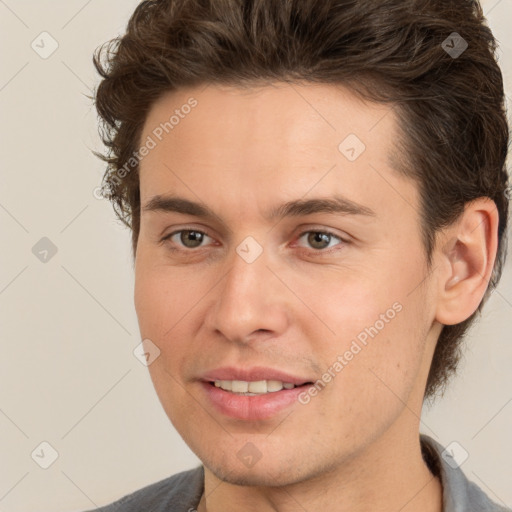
point(465, 258)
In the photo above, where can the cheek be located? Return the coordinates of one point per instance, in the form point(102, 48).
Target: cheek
point(370, 373)
point(168, 302)
point(162, 302)
point(163, 296)
point(376, 350)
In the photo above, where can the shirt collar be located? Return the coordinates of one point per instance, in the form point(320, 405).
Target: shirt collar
point(459, 494)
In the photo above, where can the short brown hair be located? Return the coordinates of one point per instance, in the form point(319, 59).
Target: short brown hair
point(451, 106)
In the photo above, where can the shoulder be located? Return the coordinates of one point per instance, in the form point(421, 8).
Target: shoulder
point(178, 492)
point(459, 493)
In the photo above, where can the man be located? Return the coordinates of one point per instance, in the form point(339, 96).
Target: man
point(317, 198)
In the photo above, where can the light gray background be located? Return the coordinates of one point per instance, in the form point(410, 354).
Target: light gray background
point(68, 326)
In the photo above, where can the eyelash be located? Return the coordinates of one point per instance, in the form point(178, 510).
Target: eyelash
point(314, 251)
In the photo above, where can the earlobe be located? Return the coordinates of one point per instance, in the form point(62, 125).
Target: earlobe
point(466, 261)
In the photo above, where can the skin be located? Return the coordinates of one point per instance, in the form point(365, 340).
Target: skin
point(298, 306)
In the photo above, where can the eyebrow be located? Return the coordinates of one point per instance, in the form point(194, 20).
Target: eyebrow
point(300, 207)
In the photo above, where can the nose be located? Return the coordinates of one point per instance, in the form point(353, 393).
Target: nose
point(250, 303)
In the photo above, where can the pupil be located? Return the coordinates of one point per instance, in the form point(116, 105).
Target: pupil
point(315, 238)
point(191, 238)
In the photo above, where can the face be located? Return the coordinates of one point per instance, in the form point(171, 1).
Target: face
point(327, 295)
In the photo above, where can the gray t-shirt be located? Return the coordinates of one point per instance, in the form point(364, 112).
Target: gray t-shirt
point(182, 492)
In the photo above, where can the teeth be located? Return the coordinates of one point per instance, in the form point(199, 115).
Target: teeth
point(225, 384)
point(239, 386)
point(274, 385)
point(259, 387)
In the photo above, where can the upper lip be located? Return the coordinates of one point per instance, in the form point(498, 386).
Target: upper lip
point(252, 374)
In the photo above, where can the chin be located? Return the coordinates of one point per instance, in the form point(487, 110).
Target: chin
point(269, 473)
point(253, 477)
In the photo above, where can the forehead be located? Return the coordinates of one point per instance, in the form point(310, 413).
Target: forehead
point(281, 115)
point(277, 141)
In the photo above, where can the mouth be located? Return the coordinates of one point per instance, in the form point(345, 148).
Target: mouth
point(252, 394)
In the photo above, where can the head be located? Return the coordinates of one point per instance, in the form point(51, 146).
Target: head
point(244, 106)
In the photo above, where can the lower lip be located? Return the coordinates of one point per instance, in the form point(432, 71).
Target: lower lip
point(250, 408)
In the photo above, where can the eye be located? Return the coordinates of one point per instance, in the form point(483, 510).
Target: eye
point(320, 240)
point(189, 238)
